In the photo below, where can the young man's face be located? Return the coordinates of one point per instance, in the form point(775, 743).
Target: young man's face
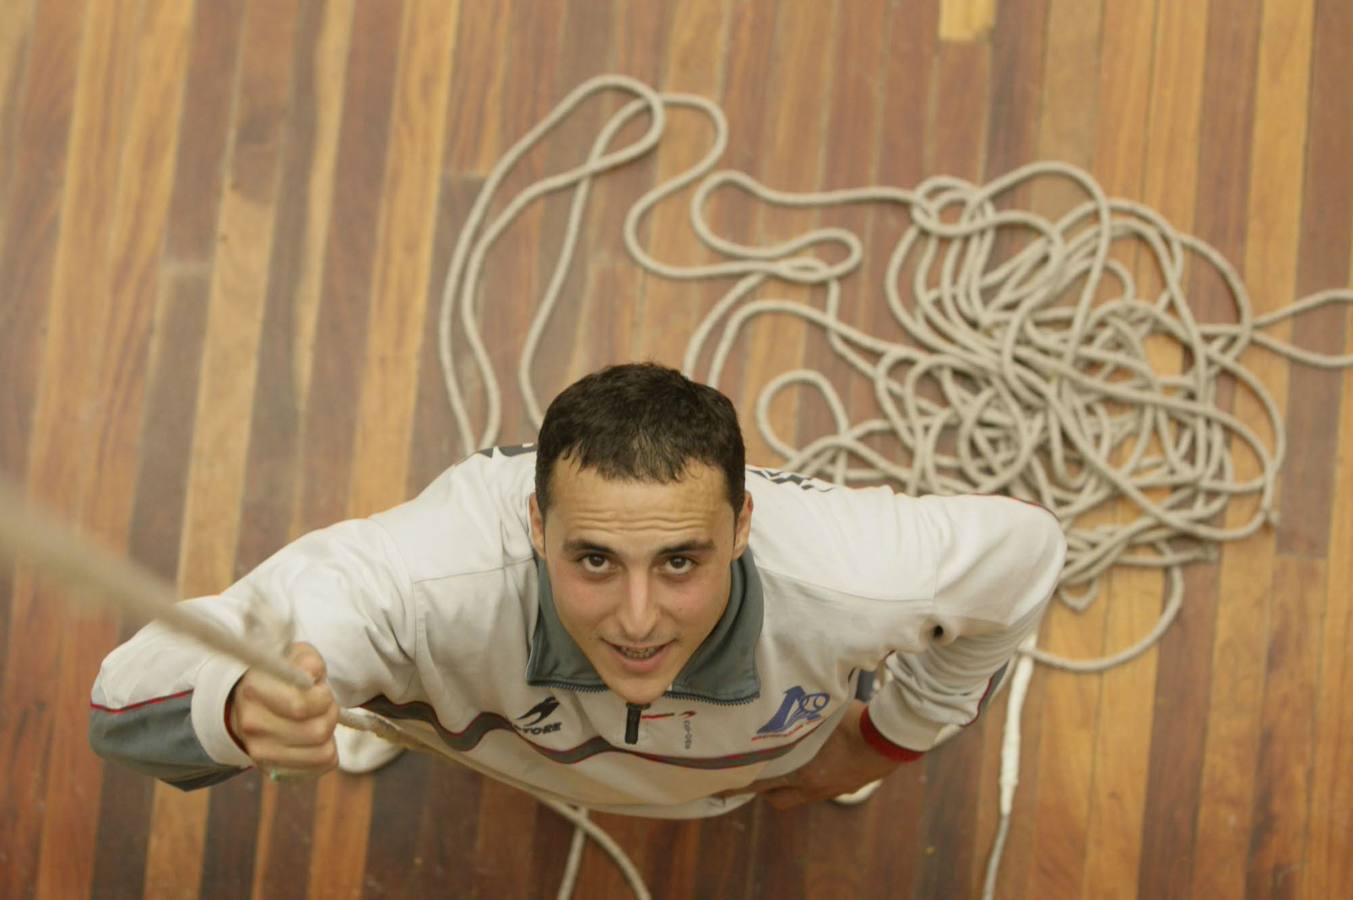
point(638, 567)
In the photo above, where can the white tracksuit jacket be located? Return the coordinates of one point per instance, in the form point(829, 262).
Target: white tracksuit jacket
point(438, 616)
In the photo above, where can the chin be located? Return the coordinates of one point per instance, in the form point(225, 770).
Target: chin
point(641, 695)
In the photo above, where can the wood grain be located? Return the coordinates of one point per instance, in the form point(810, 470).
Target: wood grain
point(223, 232)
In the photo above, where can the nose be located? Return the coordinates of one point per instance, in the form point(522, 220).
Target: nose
point(638, 614)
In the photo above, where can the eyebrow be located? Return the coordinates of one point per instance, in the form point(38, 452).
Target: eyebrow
point(575, 545)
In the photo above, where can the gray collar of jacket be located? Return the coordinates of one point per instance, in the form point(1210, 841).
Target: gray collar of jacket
point(722, 670)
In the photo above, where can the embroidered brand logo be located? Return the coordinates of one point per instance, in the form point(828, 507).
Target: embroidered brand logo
point(541, 711)
point(798, 708)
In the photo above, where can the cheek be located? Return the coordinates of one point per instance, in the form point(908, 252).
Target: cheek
point(581, 601)
point(697, 603)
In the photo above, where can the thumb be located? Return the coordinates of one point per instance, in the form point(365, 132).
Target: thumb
point(307, 659)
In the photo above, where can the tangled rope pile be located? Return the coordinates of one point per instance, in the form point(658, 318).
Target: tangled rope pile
point(1026, 372)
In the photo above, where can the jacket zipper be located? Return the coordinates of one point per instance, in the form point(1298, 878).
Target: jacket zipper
point(632, 715)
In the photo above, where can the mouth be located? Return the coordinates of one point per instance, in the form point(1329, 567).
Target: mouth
point(640, 660)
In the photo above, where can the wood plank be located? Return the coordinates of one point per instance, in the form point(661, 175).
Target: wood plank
point(854, 146)
point(394, 333)
point(1241, 631)
point(1326, 222)
point(404, 251)
point(472, 145)
point(1096, 804)
point(837, 867)
point(696, 59)
point(27, 255)
point(57, 456)
point(1122, 740)
point(179, 831)
point(1170, 184)
point(535, 42)
point(16, 32)
point(242, 810)
point(586, 49)
point(336, 854)
point(477, 87)
point(657, 44)
point(966, 20)
point(1284, 798)
point(1328, 868)
point(907, 77)
point(983, 122)
point(1283, 780)
point(743, 92)
point(443, 844)
point(305, 195)
point(535, 51)
point(210, 94)
point(774, 344)
point(137, 228)
point(1223, 194)
point(156, 529)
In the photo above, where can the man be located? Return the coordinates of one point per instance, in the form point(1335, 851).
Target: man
point(624, 617)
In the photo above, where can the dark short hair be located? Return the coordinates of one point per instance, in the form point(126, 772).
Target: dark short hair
point(642, 422)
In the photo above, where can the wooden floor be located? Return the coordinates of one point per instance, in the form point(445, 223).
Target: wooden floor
point(224, 228)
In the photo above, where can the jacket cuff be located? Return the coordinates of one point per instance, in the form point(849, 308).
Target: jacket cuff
point(887, 748)
point(212, 688)
point(891, 717)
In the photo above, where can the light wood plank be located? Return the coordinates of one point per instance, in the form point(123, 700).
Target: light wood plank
point(394, 333)
point(1068, 764)
point(27, 255)
point(1170, 183)
point(16, 31)
point(119, 368)
point(1122, 739)
point(1243, 618)
point(667, 312)
point(226, 387)
point(58, 458)
point(1328, 869)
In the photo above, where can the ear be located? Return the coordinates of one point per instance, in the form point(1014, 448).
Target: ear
point(537, 528)
point(742, 528)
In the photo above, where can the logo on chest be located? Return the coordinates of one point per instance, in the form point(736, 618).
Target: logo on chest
point(538, 714)
point(798, 709)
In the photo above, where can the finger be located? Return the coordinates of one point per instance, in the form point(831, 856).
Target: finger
point(285, 700)
point(314, 760)
point(306, 658)
point(257, 724)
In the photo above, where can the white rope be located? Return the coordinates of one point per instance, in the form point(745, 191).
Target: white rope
point(1039, 356)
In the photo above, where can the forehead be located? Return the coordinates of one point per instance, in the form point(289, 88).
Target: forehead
point(582, 497)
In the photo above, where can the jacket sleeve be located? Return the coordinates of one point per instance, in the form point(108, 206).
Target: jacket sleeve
point(996, 563)
point(158, 703)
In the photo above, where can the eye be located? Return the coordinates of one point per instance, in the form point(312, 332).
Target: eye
point(593, 562)
point(680, 565)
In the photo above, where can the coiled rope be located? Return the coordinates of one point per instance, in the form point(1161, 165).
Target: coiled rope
point(1039, 358)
